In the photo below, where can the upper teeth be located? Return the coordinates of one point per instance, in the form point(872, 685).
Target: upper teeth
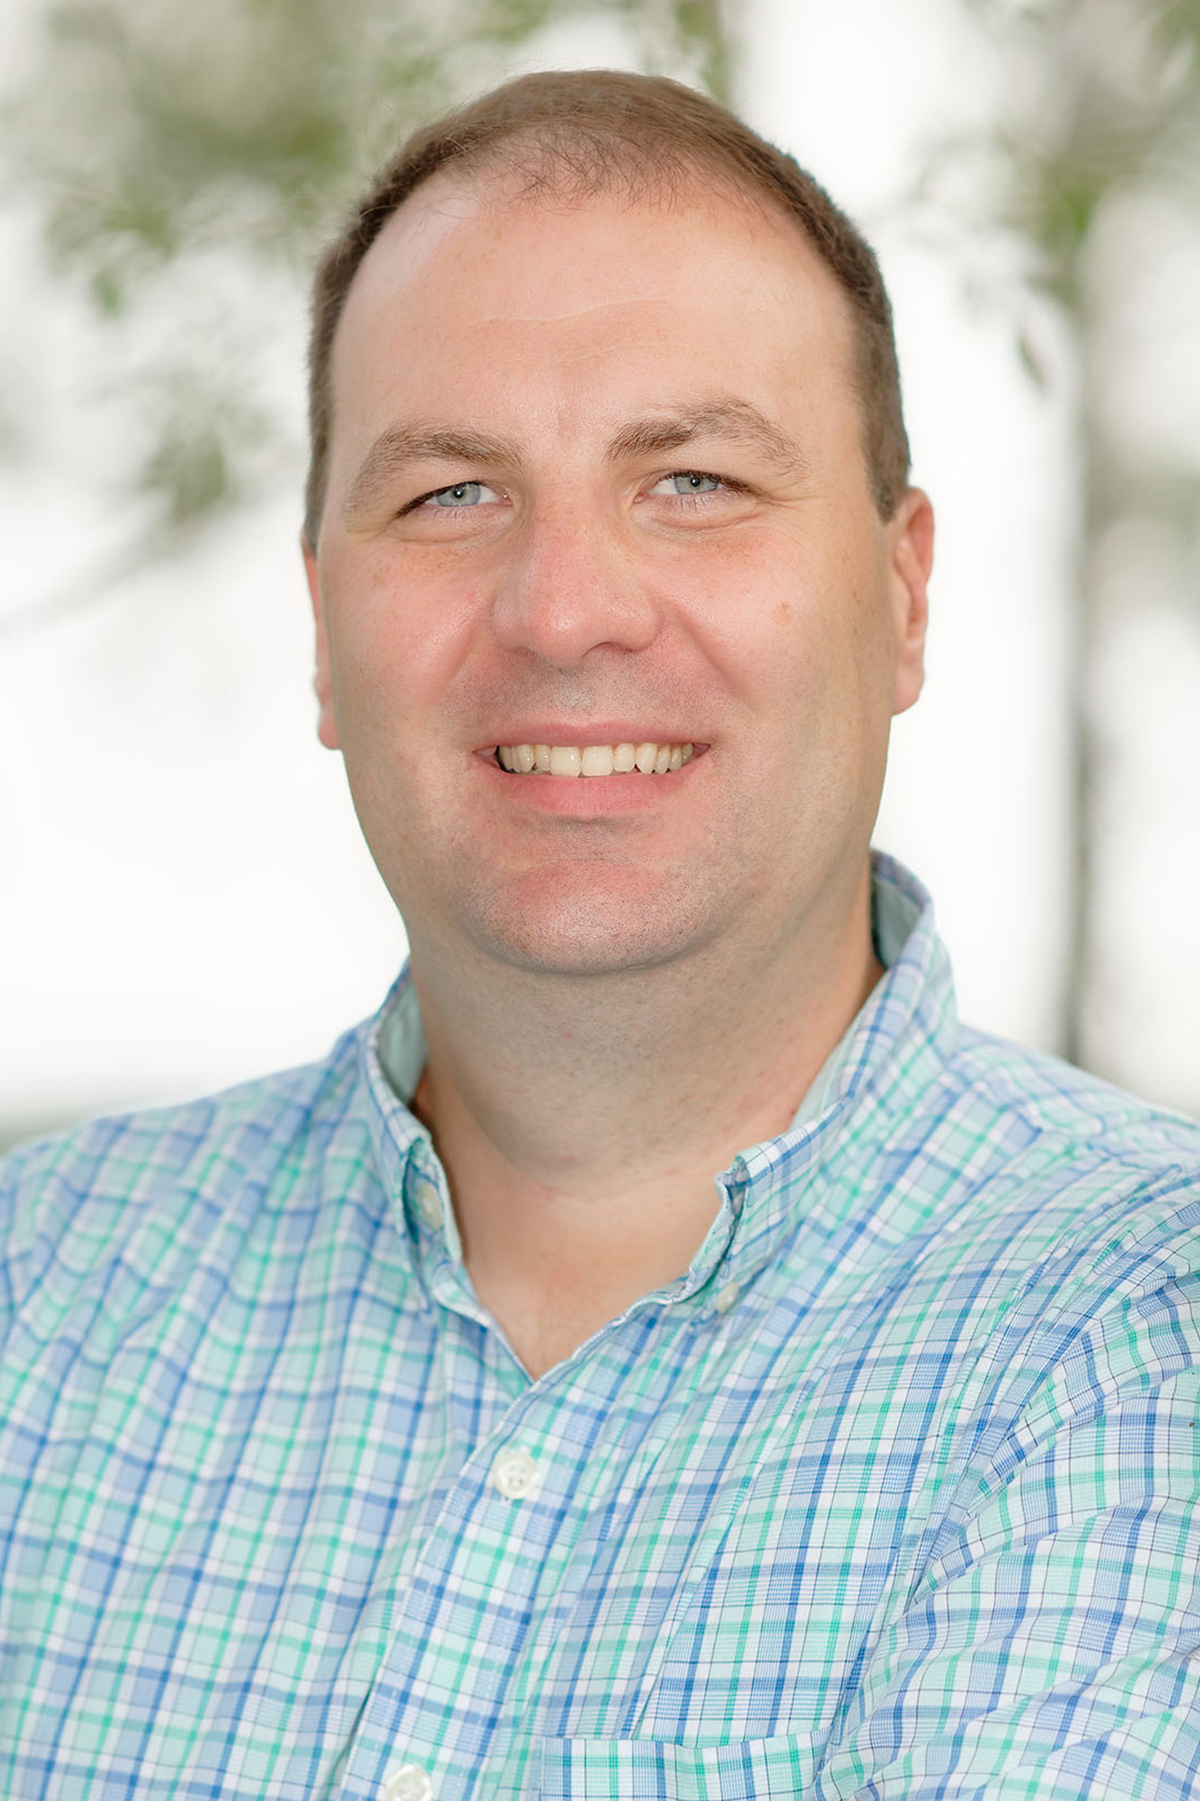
point(593, 759)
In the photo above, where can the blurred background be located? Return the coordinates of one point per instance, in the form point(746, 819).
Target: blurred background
point(184, 897)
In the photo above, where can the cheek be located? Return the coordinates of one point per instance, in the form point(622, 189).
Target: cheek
point(776, 620)
point(800, 630)
point(400, 627)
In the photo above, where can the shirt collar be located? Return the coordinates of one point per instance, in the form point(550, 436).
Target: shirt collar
point(898, 1038)
point(895, 1047)
point(897, 903)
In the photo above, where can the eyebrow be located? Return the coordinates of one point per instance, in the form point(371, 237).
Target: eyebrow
point(737, 421)
point(398, 446)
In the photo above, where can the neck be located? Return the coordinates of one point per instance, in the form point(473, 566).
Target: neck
point(581, 1121)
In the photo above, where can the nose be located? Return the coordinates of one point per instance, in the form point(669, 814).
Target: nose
point(570, 588)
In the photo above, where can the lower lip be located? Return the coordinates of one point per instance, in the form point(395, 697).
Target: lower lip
point(590, 796)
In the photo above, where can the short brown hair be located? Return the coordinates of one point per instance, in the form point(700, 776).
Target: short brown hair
point(577, 133)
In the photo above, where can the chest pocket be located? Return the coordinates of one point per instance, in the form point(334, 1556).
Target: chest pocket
point(610, 1769)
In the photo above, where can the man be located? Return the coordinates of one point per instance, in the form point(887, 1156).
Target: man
point(663, 1354)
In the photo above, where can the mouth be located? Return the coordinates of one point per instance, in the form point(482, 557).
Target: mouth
point(595, 760)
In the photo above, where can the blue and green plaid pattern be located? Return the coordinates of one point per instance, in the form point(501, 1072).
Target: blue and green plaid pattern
point(892, 1496)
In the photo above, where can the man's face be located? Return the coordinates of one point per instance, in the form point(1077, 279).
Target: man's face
point(597, 479)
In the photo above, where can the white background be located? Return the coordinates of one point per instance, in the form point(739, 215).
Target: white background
point(184, 897)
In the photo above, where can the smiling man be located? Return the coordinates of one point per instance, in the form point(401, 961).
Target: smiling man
point(597, 496)
point(663, 1353)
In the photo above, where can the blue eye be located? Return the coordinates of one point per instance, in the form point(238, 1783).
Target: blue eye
point(688, 483)
point(457, 497)
point(463, 494)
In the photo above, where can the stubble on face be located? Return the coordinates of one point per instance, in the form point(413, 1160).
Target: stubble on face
point(550, 325)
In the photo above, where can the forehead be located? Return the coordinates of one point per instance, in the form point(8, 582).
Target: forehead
point(471, 283)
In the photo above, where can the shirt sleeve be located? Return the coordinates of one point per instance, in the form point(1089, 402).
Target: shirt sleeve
point(1047, 1650)
point(52, 1228)
point(11, 1169)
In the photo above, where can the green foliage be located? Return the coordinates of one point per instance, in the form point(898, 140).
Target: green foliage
point(1103, 113)
point(162, 139)
point(1110, 117)
point(1104, 117)
point(1109, 105)
point(701, 32)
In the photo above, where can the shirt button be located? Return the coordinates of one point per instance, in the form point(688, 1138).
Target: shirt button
point(725, 1297)
point(429, 1205)
point(515, 1473)
point(408, 1782)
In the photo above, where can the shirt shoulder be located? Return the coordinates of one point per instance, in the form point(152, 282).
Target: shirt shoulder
point(1088, 1154)
point(1062, 1198)
point(1061, 1101)
point(1001, 1188)
point(150, 1188)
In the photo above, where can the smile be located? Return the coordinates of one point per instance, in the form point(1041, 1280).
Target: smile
point(593, 759)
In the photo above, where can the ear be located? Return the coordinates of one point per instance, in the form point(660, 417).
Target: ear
point(910, 541)
point(326, 727)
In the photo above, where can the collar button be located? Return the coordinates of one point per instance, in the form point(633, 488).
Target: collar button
point(725, 1297)
point(429, 1204)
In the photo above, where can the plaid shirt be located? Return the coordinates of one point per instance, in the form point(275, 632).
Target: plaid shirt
point(892, 1495)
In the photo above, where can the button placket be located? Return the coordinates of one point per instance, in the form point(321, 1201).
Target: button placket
point(404, 1712)
point(408, 1782)
point(515, 1473)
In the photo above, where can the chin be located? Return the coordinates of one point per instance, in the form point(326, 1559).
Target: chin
point(588, 931)
point(571, 955)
